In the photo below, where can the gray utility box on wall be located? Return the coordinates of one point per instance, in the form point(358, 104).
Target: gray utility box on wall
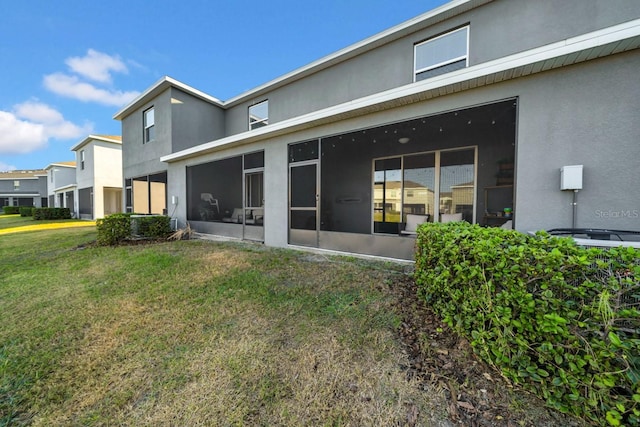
point(571, 177)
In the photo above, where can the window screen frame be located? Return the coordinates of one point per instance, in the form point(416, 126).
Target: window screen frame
point(441, 64)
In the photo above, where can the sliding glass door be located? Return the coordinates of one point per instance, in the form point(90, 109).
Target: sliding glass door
point(440, 184)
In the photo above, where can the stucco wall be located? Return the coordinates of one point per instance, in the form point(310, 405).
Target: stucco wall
point(586, 114)
point(194, 121)
point(142, 159)
point(84, 177)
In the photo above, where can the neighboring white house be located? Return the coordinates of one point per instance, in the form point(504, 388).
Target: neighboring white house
point(61, 185)
point(98, 175)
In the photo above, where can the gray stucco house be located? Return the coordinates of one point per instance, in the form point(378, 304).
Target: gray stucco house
point(23, 188)
point(468, 109)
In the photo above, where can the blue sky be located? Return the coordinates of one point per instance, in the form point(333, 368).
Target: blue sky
point(67, 66)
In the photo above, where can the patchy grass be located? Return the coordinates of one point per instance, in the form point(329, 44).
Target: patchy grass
point(192, 332)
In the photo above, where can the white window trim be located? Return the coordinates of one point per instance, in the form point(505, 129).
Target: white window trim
point(440, 64)
point(264, 122)
point(81, 159)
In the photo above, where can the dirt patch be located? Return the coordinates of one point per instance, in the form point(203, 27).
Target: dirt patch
point(476, 393)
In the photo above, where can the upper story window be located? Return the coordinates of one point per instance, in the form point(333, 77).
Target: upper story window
point(149, 125)
point(16, 185)
point(442, 54)
point(82, 160)
point(259, 115)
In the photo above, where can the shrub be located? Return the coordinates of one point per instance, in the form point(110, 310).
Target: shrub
point(560, 320)
point(26, 210)
point(51, 213)
point(153, 227)
point(116, 228)
point(112, 229)
point(10, 210)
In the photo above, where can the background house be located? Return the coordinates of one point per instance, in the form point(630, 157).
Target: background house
point(23, 188)
point(326, 155)
point(61, 185)
point(98, 176)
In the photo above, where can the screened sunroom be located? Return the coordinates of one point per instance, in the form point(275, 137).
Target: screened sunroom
point(355, 192)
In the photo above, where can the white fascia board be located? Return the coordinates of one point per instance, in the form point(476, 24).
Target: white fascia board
point(59, 165)
point(566, 47)
point(19, 194)
point(94, 138)
point(160, 86)
point(65, 188)
point(18, 178)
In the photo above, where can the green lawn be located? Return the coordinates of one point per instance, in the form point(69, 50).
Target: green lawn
point(194, 332)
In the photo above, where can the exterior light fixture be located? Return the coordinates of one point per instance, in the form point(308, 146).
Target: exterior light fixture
point(403, 140)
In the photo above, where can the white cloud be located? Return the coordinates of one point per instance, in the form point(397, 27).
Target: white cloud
point(31, 124)
point(38, 112)
point(73, 87)
point(90, 79)
point(96, 66)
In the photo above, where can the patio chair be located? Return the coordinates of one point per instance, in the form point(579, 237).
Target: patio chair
point(444, 218)
point(211, 201)
point(411, 226)
point(236, 216)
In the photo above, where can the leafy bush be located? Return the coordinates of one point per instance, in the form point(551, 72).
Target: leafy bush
point(26, 211)
point(560, 320)
point(10, 210)
point(112, 229)
point(51, 213)
point(116, 228)
point(153, 226)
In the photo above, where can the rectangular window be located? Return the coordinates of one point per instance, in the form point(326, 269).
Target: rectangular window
point(16, 185)
point(442, 54)
point(82, 160)
point(128, 195)
point(149, 125)
point(259, 115)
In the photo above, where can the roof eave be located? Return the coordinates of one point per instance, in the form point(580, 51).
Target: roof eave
point(90, 138)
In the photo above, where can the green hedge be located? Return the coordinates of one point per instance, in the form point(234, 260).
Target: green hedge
point(26, 210)
point(113, 229)
point(11, 210)
point(51, 213)
point(116, 228)
point(155, 227)
point(559, 320)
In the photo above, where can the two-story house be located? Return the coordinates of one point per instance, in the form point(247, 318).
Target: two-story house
point(98, 176)
point(469, 111)
point(23, 188)
point(61, 185)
